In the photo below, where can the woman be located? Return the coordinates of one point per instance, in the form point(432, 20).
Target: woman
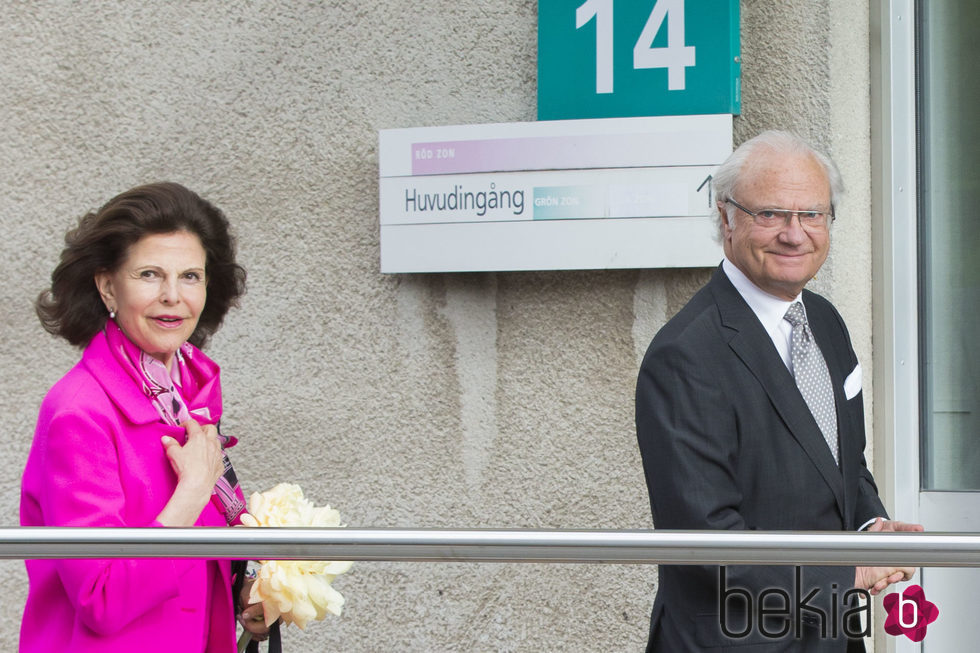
point(129, 437)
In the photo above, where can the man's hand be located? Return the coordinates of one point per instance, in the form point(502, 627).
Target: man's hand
point(892, 526)
point(876, 579)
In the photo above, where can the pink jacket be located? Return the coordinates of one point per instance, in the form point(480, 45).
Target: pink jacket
point(97, 460)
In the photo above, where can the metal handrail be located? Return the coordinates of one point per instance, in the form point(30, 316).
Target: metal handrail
point(478, 545)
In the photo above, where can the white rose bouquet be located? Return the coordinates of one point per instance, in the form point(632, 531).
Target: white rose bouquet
point(297, 591)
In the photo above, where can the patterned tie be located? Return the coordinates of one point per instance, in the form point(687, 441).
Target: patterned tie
point(812, 377)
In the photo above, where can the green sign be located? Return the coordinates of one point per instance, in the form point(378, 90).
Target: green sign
point(606, 58)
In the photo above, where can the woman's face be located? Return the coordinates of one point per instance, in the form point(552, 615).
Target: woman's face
point(158, 292)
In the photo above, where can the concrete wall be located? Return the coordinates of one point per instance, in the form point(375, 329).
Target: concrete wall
point(483, 400)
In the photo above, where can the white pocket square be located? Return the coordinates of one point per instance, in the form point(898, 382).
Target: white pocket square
point(852, 384)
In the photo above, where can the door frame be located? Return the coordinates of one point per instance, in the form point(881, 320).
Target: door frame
point(895, 270)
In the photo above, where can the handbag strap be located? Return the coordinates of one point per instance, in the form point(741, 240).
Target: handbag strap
point(275, 641)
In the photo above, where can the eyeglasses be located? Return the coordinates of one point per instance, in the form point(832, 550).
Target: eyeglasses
point(813, 220)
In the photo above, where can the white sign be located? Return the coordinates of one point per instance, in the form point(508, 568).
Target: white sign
point(556, 195)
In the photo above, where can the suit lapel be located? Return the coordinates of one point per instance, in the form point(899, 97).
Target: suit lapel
point(752, 344)
point(822, 325)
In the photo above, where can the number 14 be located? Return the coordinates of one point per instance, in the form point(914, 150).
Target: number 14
point(676, 57)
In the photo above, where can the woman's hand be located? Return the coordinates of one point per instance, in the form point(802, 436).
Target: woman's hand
point(252, 618)
point(199, 460)
point(198, 465)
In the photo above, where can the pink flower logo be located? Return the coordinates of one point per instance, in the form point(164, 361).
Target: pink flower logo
point(909, 613)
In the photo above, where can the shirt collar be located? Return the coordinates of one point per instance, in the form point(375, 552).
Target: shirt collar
point(768, 308)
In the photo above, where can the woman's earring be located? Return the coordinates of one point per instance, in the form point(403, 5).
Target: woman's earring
point(112, 313)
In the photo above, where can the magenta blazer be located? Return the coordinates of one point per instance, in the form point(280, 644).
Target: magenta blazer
point(97, 460)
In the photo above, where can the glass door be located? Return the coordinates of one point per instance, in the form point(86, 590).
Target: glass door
point(948, 165)
point(949, 240)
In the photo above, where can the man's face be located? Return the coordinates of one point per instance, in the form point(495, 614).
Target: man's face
point(780, 259)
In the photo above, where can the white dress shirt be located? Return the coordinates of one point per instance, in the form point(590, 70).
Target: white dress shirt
point(768, 308)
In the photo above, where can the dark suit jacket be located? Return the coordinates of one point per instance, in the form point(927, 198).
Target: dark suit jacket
point(728, 443)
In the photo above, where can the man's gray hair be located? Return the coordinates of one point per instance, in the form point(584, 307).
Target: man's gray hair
point(725, 179)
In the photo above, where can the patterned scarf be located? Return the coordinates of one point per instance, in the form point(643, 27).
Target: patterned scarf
point(163, 389)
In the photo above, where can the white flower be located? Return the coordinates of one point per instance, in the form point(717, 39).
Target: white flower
point(296, 590)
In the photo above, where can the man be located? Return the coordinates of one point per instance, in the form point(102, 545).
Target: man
point(749, 416)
